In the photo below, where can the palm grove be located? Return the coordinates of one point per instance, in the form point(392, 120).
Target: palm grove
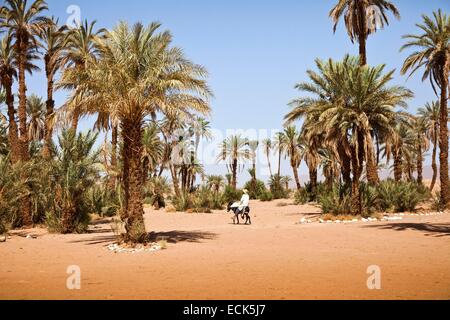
point(154, 103)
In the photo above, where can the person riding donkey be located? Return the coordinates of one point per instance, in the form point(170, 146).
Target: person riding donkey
point(241, 208)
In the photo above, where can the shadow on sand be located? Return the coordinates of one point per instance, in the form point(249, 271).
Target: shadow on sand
point(433, 230)
point(171, 237)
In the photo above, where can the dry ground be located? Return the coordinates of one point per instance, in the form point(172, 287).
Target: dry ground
point(209, 258)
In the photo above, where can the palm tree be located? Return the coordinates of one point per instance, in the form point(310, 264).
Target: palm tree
point(267, 145)
point(215, 183)
point(309, 143)
point(433, 54)
point(430, 115)
point(82, 45)
point(24, 23)
point(363, 18)
point(279, 143)
point(421, 145)
point(359, 20)
point(253, 146)
point(37, 117)
point(152, 150)
point(291, 146)
point(348, 102)
point(53, 41)
point(137, 74)
point(8, 74)
point(233, 151)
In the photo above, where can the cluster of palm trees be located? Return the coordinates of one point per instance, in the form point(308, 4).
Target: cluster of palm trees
point(153, 101)
point(353, 116)
point(132, 78)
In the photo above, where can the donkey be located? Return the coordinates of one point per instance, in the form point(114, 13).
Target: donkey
point(245, 214)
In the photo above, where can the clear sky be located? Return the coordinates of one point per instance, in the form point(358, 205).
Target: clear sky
point(256, 51)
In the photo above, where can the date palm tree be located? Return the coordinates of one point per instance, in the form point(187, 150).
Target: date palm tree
point(8, 75)
point(24, 23)
point(53, 41)
point(234, 151)
point(82, 45)
point(348, 102)
point(430, 114)
point(136, 75)
point(432, 53)
point(267, 145)
point(363, 18)
point(279, 143)
point(291, 147)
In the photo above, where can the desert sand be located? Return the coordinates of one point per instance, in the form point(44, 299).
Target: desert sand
point(209, 258)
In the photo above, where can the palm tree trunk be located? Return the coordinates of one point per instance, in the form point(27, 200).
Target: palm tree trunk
point(133, 208)
point(357, 156)
point(313, 180)
point(371, 167)
point(23, 137)
point(175, 181)
point(420, 165)
point(443, 144)
point(297, 179)
point(362, 34)
point(398, 166)
point(75, 119)
point(345, 166)
point(48, 130)
point(356, 197)
point(234, 171)
point(433, 158)
point(270, 166)
point(279, 163)
point(13, 130)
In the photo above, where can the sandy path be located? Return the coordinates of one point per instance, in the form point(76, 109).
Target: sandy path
point(208, 258)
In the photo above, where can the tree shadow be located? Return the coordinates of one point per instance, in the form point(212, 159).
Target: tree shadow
point(171, 237)
point(181, 236)
point(433, 230)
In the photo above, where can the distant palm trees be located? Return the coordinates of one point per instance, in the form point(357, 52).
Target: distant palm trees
point(432, 53)
point(53, 42)
point(234, 151)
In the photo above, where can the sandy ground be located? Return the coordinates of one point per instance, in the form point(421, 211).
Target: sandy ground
point(209, 258)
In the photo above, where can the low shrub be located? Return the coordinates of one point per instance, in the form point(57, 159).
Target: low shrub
point(266, 196)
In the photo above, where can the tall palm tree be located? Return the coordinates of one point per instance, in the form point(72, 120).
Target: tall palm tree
point(363, 18)
point(348, 102)
point(421, 144)
point(136, 75)
point(433, 54)
point(430, 114)
point(309, 143)
point(359, 18)
point(53, 41)
point(8, 74)
point(279, 143)
point(234, 151)
point(24, 23)
point(291, 146)
point(82, 45)
point(253, 146)
point(267, 145)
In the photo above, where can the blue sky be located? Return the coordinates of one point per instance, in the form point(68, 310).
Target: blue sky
point(256, 51)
